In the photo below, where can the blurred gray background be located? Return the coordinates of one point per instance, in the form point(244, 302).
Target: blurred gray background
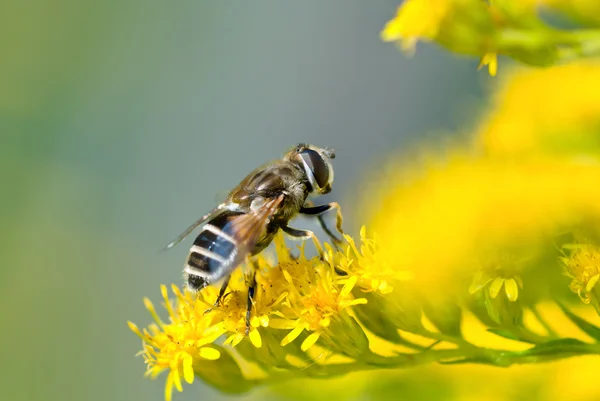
point(121, 121)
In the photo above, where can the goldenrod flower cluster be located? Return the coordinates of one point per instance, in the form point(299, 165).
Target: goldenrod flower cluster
point(514, 28)
point(492, 232)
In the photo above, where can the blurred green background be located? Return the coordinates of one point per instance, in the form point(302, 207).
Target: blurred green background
point(121, 121)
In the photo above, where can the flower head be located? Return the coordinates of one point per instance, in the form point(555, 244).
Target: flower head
point(373, 272)
point(582, 265)
point(176, 346)
point(503, 271)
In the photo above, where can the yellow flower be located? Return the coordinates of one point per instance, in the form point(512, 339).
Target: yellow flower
point(556, 110)
point(500, 272)
point(176, 346)
point(416, 19)
point(463, 26)
point(298, 293)
point(374, 274)
point(435, 223)
point(316, 297)
point(583, 266)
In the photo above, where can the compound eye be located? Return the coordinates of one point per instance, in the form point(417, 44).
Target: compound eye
point(317, 166)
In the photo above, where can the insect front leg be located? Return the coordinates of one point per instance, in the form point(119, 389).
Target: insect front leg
point(318, 211)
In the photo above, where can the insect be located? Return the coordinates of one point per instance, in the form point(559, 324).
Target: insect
point(246, 222)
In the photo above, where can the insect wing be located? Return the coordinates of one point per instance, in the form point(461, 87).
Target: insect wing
point(194, 225)
point(226, 240)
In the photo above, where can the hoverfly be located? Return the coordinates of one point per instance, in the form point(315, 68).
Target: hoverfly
point(247, 221)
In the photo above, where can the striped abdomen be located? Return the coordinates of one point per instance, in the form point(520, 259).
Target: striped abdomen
point(214, 253)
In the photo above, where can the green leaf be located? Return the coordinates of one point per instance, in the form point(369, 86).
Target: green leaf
point(223, 373)
point(587, 327)
point(557, 349)
point(385, 314)
point(445, 316)
point(506, 334)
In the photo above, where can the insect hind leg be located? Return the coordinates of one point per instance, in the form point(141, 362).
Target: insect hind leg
point(251, 291)
point(221, 294)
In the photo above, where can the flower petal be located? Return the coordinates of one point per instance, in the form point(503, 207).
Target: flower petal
point(169, 387)
point(292, 335)
point(478, 283)
point(496, 286)
point(176, 378)
point(188, 370)
point(255, 339)
point(511, 289)
point(310, 341)
point(209, 353)
point(348, 286)
point(592, 282)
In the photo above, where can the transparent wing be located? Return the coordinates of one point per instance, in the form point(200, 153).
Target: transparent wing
point(194, 225)
point(247, 229)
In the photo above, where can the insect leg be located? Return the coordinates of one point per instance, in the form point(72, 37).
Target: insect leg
point(251, 288)
point(304, 234)
point(221, 293)
point(319, 211)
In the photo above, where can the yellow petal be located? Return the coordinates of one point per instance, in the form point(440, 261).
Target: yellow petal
point(511, 289)
point(291, 336)
point(177, 379)
point(148, 304)
point(135, 329)
point(590, 285)
point(169, 387)
point(491, 60)
point(478, 284)
point(188, 370)
point(309, 341)
point(264, 320)
point(209, 353)
point(348, 286)
point(237, 338)
point(496, 286)
point(325, 322)
point(255, 338)
point(358, 301)
point(282, 324)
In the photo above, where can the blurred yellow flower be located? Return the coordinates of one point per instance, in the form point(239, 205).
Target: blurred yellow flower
point(587, 11)
point(511, 285)
point(417, 19)
point(556, 110)
point(444, 219)
point(460, 25)
point(485, 29)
